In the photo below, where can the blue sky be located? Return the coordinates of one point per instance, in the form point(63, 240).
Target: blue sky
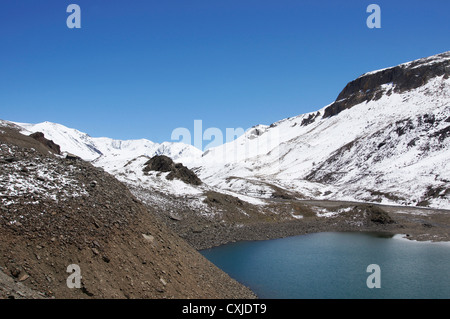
point(141, 68)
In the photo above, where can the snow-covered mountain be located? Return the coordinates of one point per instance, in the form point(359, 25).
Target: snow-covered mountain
point(385, 139)
point(106, 152)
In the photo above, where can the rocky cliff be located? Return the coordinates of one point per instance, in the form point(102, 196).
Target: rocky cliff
point(404, 77)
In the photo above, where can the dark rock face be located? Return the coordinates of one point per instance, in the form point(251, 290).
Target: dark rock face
point(183, 173)
point(403, 78)
point(38, 136)
point(442, 134)
point(310, 119)
point(377, 215)
point(162, 163)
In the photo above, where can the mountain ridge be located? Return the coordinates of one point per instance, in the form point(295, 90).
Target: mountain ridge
point(406, 76)
point(289, 153)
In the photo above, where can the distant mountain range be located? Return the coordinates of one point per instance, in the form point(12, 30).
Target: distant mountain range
point(385, 139)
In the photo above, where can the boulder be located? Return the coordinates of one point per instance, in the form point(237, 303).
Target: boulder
point(162, 163)
point(39, 136)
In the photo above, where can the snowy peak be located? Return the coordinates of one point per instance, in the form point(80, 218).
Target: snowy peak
point(104, 150)
point(427, 61)
point(70, 140)
point(404, 77)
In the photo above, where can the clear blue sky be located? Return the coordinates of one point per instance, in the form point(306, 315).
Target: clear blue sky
point(141, 68)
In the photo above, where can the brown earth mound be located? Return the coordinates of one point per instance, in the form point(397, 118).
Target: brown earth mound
point(39, 136)
point(58, 212)
point(11, 135)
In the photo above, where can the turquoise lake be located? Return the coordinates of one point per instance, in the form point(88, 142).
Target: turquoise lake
point(334, 266)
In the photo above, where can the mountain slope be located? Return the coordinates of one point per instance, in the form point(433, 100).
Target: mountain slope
point(384, 139)
point(58, 211)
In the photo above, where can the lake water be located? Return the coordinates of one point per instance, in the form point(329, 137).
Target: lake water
point(334, 266)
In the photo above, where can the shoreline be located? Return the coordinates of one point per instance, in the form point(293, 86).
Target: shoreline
point(253, 233)
point(228, 219)
point(376, 235)
point(412, 230)
point(404, 237)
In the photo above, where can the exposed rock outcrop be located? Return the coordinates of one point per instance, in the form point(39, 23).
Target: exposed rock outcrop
point(39, 136)
point(162, 163)
point(403, 77)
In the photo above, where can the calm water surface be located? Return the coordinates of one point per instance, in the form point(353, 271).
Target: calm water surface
point(334, 265)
